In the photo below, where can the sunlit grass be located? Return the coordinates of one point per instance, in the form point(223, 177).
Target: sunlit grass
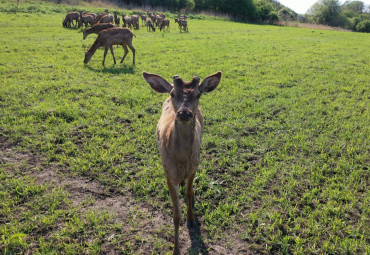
point(284, 155)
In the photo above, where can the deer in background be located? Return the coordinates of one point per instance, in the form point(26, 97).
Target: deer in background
point(179, 133)
point(96, 29)
point(112, 36)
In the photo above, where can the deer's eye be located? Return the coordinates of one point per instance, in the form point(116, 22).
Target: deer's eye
point(198, 96)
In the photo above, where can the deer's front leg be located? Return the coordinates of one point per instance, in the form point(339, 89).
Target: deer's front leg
point(190, 199)
point(174, 193)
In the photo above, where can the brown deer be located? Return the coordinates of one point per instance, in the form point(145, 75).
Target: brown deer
point(106, 19)
point(143, 19)
point(165, 23)
point(70, 17)
point(179, 134)
point(96, 29)
point(135, 21)
point(85, 19)
point(112, 36)
point(183, 24)
point(127, 21)
point(149, 25)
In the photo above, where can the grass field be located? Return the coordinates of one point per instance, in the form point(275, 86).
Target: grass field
point(285, 150)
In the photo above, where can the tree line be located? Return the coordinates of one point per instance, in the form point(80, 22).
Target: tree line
point(353, 15)
point(247, 10)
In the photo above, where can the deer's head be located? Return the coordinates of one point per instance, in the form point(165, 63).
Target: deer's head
point(184, 95)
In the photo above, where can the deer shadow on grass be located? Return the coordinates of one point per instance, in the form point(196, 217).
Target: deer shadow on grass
point(114, 69)
point(197, 244)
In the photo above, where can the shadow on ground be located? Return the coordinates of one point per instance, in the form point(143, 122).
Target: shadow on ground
point(114, 69)
point(197, 244)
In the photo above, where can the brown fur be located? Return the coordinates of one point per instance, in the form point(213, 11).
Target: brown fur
point(183, 24)
point(149, 25)
point(143, 19)
point(96, 29)
point(135, 21)
point(127, 21)
point(70, 17)
point(109, 37)
point(86, 19)
point(100, 15)
point(179, 133)
point(165, 23)
point(106, 19)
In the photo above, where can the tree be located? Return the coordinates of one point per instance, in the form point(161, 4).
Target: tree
point(326, 12)
point(355, 6)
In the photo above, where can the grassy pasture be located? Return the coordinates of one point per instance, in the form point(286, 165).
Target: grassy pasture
point(285, 150)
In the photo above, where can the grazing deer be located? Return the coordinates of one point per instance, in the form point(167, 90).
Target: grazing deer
point(165, 23)
point(96, 29)
point(179, 134)
point(112, 36)
point(149, 25)
point(70, 17)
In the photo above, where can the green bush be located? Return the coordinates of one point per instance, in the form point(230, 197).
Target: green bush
point(363, 26)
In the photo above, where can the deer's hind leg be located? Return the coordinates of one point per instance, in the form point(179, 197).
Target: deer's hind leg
point(111, 50)
point(174, 193)
point(105, 54)
point(129, 44)
point(126, 52)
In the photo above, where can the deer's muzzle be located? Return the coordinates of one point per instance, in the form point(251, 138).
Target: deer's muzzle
point(184, 115)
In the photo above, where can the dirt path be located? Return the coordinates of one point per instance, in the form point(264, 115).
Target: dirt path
point(148, 221)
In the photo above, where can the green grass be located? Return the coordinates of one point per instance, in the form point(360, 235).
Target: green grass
point(285, 150)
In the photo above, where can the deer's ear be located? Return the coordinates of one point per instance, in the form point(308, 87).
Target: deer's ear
point(157, 82)
point(210, 83)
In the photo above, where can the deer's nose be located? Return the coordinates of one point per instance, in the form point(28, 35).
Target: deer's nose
point(185, 115)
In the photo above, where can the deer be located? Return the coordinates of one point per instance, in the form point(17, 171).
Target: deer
point(85, 19)
point(143, 19)
point(96, 29)
point(135, 21)
point(183, 24)
point(70, 17)
point(179, 133)
point(149, 25)
point(127, 21)
point(165, 23)
point(158, 20)
point(106, 19)
point(100, 15)
point(112, 36)
point(117, 20)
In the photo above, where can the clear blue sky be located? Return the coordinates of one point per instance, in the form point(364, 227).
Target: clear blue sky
point(301, 6)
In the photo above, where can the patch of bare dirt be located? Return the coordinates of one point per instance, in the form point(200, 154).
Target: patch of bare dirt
point(145, 223)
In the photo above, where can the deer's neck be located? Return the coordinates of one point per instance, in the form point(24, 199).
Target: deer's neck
point(184, 139)
point(94, 47)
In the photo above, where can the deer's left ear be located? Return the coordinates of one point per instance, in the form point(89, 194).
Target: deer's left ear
point(210, 83)
point(158, 83)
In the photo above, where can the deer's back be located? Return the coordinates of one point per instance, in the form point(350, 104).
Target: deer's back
point(116, 35)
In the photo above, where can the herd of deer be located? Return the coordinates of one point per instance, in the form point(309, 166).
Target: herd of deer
point(150, 20)
point(179, 129)
point(111, 34)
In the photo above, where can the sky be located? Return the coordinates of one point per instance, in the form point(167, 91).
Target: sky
point(301, 6)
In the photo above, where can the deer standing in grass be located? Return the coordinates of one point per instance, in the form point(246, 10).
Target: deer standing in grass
point(112, 36)
point(179, 133)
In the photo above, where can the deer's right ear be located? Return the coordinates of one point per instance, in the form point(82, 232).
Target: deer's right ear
point(157, 82)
